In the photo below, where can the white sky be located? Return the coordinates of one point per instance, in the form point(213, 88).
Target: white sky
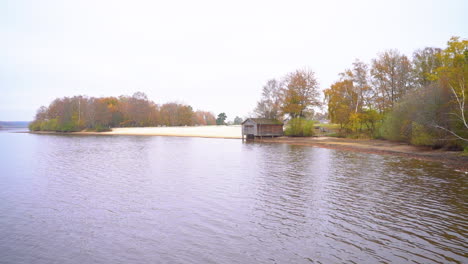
point(213, 55)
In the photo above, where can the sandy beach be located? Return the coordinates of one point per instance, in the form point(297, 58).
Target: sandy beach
point(195, 131)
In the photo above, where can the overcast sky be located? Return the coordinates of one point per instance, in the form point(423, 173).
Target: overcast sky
point(213, 55)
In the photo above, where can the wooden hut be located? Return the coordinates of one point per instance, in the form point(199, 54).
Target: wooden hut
point(261, 127)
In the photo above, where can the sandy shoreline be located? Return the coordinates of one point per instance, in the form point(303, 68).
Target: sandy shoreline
point(452, 159)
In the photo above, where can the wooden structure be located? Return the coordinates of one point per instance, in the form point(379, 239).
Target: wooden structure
point(261, 127)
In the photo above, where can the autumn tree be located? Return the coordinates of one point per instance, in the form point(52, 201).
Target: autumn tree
point(341, 99)
point(425, 64)
point(138, 109)
point(80, 112)
point(204, 118)
point(199, 118)
point(184, 115)
point(175, 114)
point(346, 97)
point(103, 115)
point(113, 106)
point(210, 118)
point(300, 94)
point(391, 77)
point(351, 100)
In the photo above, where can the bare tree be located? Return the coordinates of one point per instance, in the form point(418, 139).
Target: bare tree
point(41, 113)
point(269, 105)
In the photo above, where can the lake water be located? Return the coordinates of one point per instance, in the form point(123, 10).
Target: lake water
point(136, 199)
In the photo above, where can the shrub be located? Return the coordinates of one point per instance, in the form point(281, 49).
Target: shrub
point(397, 125)
point(420, 135)
point(299, 127)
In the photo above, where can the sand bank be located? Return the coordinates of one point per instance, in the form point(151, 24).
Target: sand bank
point(196, 131)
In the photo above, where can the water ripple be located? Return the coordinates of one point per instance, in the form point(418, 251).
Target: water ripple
point(71, 199)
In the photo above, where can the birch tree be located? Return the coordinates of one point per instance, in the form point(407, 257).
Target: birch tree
point(453, 78)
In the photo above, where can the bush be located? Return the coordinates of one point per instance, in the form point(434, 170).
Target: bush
point(391, 127)
point(299, 127)
point(420, 136)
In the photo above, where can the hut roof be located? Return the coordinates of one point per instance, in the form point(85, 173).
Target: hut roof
point(264, 121)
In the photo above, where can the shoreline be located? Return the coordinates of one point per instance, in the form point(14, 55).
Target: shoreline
point(372, 146)
point(452, 159)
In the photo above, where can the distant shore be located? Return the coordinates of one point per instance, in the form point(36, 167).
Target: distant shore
point(382, 147)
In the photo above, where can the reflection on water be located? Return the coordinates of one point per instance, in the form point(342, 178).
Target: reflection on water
point(125, 199)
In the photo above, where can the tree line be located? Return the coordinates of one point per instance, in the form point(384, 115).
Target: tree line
point(421, 100)
point(77, 113)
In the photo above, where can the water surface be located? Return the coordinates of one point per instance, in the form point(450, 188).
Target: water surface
point(136, 199)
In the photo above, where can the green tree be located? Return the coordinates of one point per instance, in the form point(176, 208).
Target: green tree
point(221, 120)
point(341, 98)
point(370, 118)
point(237, 120)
